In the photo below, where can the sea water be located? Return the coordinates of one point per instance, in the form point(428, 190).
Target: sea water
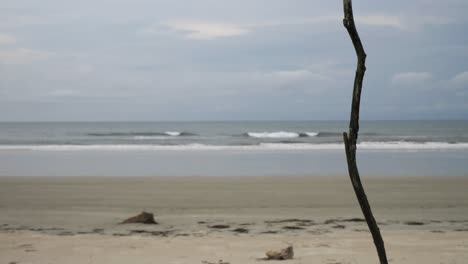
point(385, 148)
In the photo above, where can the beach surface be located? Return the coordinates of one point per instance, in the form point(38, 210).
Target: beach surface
point(234, 219)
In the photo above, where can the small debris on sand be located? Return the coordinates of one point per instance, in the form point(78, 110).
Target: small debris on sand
point(143, 218)
point(219, 226)
point(153, 233)
point(414, 223)
point(240, 230)
point(339, 220)
point(283, 254)
point(292, 220)
point(339, 226)
point(120, 234)
point(292, 228)
point(270, 232)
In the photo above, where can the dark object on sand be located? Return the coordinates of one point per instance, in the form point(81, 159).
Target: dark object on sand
point(219, 226)
point(241, 230)
point(291, 220)
point(219, 262)
point(270, 232)
point(164, 233)
point(292, 228)
point(283, 254)
point(339, 220)
point(351, 138)
point(339, 226)
point(414, 223)
point(143, 218)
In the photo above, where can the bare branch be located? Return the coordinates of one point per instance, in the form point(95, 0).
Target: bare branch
point(351, 140)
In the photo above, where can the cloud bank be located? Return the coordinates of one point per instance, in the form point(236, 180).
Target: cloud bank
point(225, 60)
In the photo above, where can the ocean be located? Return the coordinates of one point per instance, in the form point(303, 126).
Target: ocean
point(253, 148)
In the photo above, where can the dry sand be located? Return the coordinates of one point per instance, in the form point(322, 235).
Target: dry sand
point(75, 219)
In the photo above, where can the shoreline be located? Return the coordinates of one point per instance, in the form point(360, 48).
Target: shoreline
point(229, 163)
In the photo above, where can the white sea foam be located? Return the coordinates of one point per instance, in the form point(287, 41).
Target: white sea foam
point(403, 146)
point(395, 145)
point(173, 133)
point(312, 134)
point(150, 137)
point(165, 135)
point(280, 134)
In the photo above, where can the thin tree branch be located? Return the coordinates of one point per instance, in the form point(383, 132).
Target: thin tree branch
point(350, 141)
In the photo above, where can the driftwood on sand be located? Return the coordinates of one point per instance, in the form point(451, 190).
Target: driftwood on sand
point(283, 254)
point(142, 218)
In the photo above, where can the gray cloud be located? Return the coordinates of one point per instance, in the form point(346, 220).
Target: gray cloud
point(412, 78)
point(262, 59)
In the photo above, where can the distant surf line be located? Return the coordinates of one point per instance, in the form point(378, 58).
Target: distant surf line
point(398, 145)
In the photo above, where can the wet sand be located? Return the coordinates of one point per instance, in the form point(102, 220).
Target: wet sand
point(237, 219)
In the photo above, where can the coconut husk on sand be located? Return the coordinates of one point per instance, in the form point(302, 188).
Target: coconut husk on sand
point(283, 254)
point(142, 218)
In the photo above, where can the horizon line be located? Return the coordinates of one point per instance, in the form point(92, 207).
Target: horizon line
point(216, 121)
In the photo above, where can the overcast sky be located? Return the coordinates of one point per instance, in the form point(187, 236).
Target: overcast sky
point(229, 60)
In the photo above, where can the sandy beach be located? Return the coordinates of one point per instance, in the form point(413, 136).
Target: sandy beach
point(236, 219)
point(233, 132)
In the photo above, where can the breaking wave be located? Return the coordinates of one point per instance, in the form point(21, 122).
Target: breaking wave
point(142, 134)
point(280, 134)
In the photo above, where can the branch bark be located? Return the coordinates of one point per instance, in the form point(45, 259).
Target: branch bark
point(351, 139)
